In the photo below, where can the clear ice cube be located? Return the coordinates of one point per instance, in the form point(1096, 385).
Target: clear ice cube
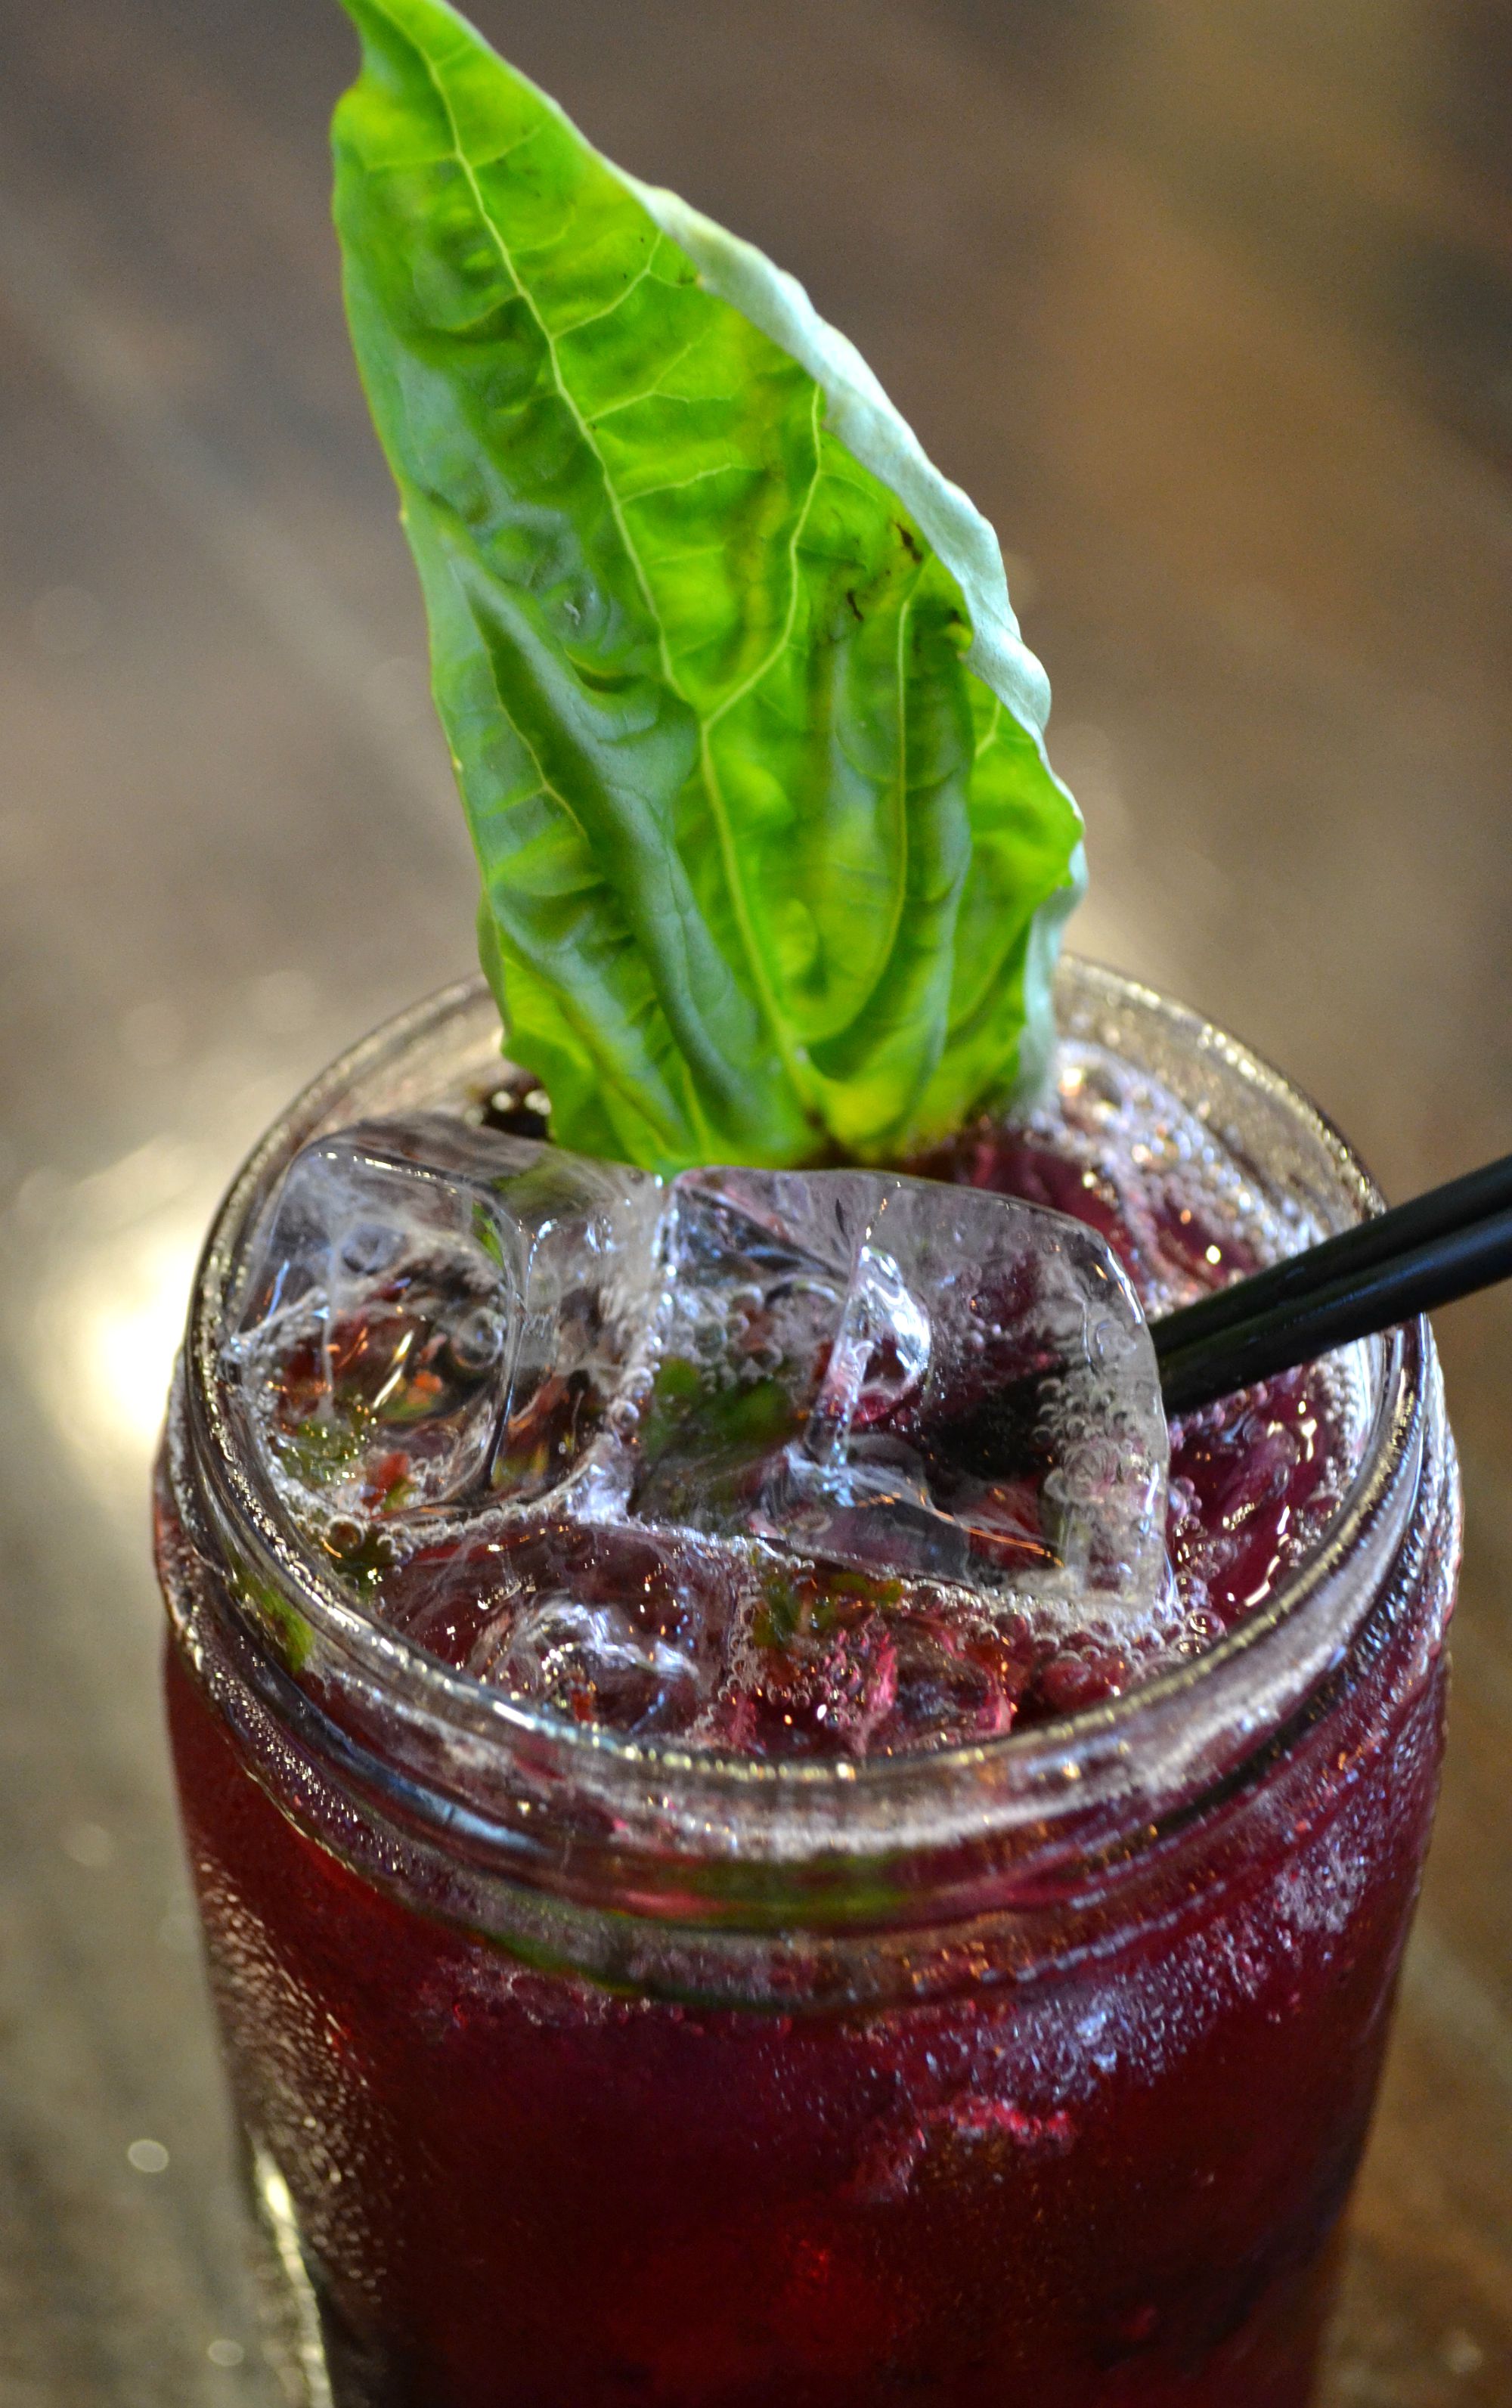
point(915, 1380)
point(600, 1620)
point(610, 1625)
point(437, 1313)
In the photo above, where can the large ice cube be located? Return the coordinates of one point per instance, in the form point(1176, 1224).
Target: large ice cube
point(605, 1621)
point(912, 1378)
point(437, 1313)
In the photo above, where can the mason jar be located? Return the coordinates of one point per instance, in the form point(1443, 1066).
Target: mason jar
point(573, 2070)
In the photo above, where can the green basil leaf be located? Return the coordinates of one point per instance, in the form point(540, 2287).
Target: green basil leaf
point(773, 862)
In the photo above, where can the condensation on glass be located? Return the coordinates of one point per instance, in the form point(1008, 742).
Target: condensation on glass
point(570, 2068)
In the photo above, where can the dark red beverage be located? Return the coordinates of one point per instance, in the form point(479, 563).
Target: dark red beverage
point(1010, 2035)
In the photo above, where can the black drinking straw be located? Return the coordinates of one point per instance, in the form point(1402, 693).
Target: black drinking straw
point(1443, 1245)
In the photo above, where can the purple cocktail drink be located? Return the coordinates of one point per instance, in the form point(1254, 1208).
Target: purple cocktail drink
point(639, 1988)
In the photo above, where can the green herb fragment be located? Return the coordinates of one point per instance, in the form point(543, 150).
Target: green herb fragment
point(362, 1553)
point(703, 1425)
point(321, 1449)
point(781, 1614)
point(486, 1232)
point(773, 862)
point(812, 1603)
point(750, 1418)
point(291, 1633)
point(674, 1394)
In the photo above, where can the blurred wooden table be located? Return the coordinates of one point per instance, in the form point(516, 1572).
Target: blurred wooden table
point(1211, 308)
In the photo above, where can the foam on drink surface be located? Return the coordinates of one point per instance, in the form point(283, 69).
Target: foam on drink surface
point(841, 1464)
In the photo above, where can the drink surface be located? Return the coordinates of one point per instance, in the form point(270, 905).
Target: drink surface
point(789, 1465)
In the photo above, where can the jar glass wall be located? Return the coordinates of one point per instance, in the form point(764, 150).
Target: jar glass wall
point(574, 2069)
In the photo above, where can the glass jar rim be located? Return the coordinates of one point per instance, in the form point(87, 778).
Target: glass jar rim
point(1171, 1738)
